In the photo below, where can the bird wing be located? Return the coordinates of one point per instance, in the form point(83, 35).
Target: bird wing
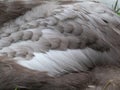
point(62, 38)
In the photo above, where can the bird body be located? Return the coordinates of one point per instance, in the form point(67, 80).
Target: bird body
point(59, 39)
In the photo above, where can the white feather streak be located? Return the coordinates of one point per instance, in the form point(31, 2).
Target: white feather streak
point(58, 62)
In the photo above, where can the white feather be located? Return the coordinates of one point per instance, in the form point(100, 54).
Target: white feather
point(58, 62)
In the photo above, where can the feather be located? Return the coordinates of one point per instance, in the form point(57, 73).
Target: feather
point(81, 36)
point(56, 39)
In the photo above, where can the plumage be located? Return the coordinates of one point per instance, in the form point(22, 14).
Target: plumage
point(58, 42)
